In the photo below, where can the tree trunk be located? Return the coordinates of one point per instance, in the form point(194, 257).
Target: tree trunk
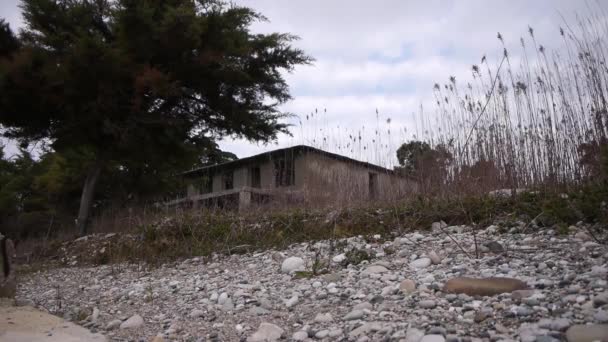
point(86, 200)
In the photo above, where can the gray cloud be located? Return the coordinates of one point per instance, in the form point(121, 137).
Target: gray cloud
point(387, 55)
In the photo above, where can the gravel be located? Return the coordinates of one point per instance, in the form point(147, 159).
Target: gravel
point(397, 296)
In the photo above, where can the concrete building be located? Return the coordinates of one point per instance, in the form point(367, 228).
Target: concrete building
point(296, 174)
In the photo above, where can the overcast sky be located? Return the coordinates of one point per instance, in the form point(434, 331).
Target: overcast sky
point(384, 55)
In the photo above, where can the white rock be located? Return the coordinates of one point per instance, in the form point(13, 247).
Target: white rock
point(435, 258)
point(413, 335)
point(292, 264)
point(321, 334)
point(427, 304)
point(375, 269)
point(420, 263)
point(291, 301)
point(339, 258)
point(134, 321)
point(417, 237)
point(299, 336)
point(323, 317)
point(197, 313)
point(95, 315)
point(113, 324)
point(436, 226)
point(492, 229)
point(353, 315)
point(222, 299)
point(432, 338)
point(267, 332)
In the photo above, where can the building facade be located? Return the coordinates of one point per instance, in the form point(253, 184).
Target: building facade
point(291, 175)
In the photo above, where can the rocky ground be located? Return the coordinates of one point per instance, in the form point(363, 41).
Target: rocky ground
point(319, 292)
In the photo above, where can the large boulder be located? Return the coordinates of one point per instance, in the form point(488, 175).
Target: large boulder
point(8, 283)
point(483, 286)
point(587, 333)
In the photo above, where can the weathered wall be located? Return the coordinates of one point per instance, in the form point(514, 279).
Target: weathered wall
point(217, 183)
point(322, 178)
point(241, 177)
point(327, 178)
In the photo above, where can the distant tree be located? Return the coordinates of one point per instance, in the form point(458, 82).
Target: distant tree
point(594, 159)
point(418, 156)
point(419, 160)
point(483, 173)
point(140, 83)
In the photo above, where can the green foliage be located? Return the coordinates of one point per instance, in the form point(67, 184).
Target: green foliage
point(142, 87)
point(356, 256)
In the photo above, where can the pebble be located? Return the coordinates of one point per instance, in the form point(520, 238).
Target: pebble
point(292, 264)
point(420, 263)
point(134, 321)
point(427, 304)
point(432, 338)
point(355, 314)
point(267, 332)
point(299, 336)
point(407, 286)
point(540, 296)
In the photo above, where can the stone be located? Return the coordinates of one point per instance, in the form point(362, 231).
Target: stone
point(197, 313)
point(600, 299)
point(420, 263)
point(292, 264)
point(494, 247)
point(601, 316)
point(299, 336)
point(8, 282)
point(322, 334)
point(521, 294)
point(558, 324)
point(134, 321)
point(364, 329)
point(427, 304)
point(435, 258)
point(587, 333)
point(291, 301)
point(353, 315)
point(583, 236)
point(113, 324)
point(267, 332)
point(223, 298)
point(483, 286)
point(363, 306)
point(375, 269)
point(339, 258)
point(323, 317)
point(432, 338)
point(335, 333)
point(407, 286)
point(95, 315)
point(414, 335)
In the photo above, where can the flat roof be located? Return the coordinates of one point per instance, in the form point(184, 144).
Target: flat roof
point(295, 150)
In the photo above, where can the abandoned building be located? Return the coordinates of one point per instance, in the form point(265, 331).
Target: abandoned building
point(291, 175)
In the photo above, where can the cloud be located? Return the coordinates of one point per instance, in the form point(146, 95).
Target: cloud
point(387, 55)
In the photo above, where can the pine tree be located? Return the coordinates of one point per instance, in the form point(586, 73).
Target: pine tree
point(141, 81)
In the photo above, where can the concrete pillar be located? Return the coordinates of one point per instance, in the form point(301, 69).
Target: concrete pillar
point(244, 200)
